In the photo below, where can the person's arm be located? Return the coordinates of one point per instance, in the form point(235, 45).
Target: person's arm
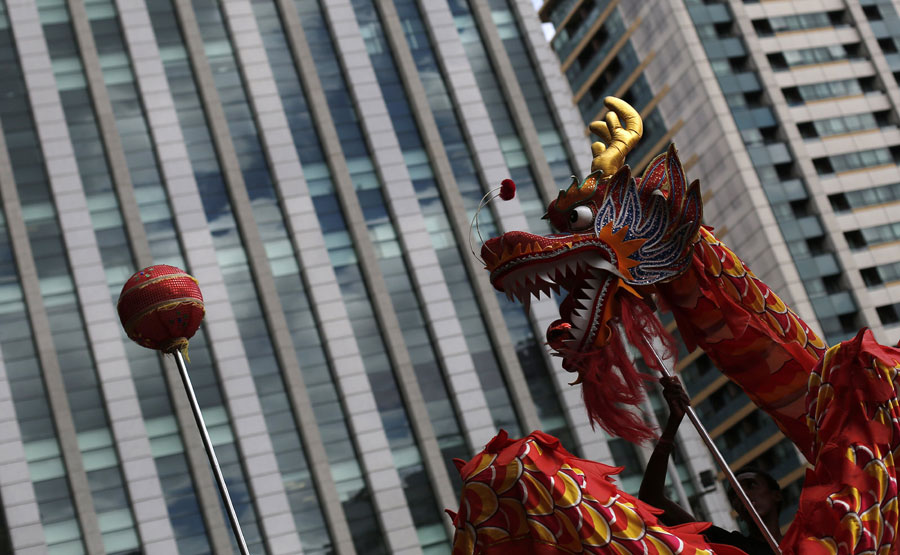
point(654, 483)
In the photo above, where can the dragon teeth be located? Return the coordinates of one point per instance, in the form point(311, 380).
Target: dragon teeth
point(591, 287)
point(545, 289)
point(580, 318)
point(521, 293)
point(594, 261)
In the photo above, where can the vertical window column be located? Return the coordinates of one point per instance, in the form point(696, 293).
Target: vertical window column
point(562, 131)
point(398, 315)
point(127, 135)
point(419, 447)
point(112, 367)
point(476, 303)
point(363, 369)
point(239, 244)
point(21, 513)
point(38, 182)
point(559, 405)
point(408, 224)
point(55, 468)
point(123, 247)
point(249, 425)
point(485, 31)
point(289, 187)
point(24, 418)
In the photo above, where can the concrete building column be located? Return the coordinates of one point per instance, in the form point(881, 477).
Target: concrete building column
point(111, 362)
point(282, 342)
point(207, 493)
point(382, 477)
point(365, 251)
point(456, 212)
point(425, 270)
point(23, 518)
point(506, 76)
point(576, 137)
point(492, 169)
point(237, 385)
point(51, 372)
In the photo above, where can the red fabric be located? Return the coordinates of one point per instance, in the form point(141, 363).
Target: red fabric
point(747, 331)
point(646, 333)
point(849, 499)
point(520, 496)
point(531, 496)
point(161, 307)
point(610, 381)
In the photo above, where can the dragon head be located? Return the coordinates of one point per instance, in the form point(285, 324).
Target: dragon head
point(615, 235)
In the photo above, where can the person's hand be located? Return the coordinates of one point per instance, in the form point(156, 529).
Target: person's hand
point(675, 397)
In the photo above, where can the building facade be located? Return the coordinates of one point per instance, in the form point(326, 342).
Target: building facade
point(315, 164)
point(787, 113)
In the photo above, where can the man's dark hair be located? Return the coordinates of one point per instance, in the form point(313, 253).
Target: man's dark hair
point(767, 478)
point(770, 482)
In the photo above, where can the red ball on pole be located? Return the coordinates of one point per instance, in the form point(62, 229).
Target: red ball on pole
point(161, 307)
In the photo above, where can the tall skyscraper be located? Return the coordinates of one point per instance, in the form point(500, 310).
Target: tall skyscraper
point(315, 164)
point(787, 113)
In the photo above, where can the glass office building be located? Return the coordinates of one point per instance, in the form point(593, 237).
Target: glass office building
point(315, 164)
point(787, 113)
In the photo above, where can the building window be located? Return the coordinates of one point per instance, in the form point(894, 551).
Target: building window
point(829, 89)
point(870, 236)
point(843, 124)
point(798, 22)
point(856, 160)
point(823, 166)
point(888, 45)
point(808, 56)
point(842, 202)
point(871, 277)
point(872, 13)
point(876, 276)
point(855, 239)
point(889, 314)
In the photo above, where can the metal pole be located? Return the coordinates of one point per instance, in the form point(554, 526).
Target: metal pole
point(210, 452)
point(720, 460)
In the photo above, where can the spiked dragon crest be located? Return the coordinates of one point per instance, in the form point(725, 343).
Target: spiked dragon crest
point(616, 237)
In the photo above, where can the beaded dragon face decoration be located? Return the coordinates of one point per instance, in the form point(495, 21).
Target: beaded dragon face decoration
point(616, 235)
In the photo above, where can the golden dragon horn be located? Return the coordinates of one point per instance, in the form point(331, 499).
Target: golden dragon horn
point(616, 140)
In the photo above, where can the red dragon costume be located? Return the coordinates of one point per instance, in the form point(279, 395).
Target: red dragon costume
point(621, 244)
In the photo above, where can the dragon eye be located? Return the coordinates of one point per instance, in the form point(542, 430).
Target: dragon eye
point(581, 218)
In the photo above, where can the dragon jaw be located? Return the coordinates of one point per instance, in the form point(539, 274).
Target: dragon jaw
point(524, 265)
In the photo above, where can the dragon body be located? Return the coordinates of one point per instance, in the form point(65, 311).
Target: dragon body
point(622, 245)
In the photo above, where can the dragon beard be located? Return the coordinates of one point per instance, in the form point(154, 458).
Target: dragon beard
point(610, 380)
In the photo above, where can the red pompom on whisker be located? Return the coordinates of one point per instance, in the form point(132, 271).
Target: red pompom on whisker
point(610, 384)
point(507, 189)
